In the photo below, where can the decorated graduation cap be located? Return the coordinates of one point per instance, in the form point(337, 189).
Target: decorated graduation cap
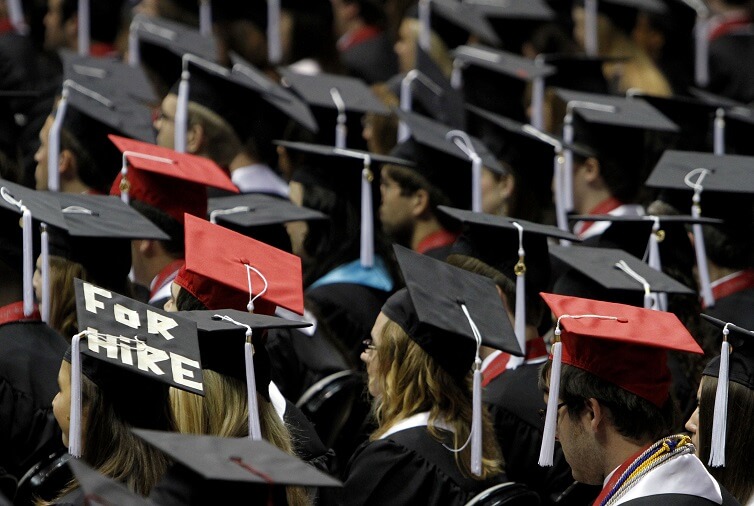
point(735, 363)
point(227, 270)
point(326, 167)
point(450, 313)
point(31, 205)
point(516, 248)
point(89, 113)
point(442, 154)
point(212, 467)
point(617, 272)
point(622, 345)
point(228, 346)
point(703, 172)
point(127, 349)
point(503, 75)
point(614, 129)
point(260, 216)
point(338, 103)
point(452, 21)
point(175, 183)
point(160, 45)
point(433, 93)
point(621, 12)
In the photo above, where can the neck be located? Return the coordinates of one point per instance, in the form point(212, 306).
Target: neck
point(353, 25)
point(423, 229)
point(74, 186)
point(716, 272)
point(242, 159)
point(11, 294)
point(592, 199)
point(152, 268)
point(618, 450)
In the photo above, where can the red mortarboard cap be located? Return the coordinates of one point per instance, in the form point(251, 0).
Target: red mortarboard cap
point(216, 271)
point(627, 349)
point(170, 181)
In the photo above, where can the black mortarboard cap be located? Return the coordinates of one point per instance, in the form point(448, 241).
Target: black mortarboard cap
point(321, 92)
point(514, 21)
point(221, 342)
point(430, 311)
point(726, 173)
point(162, 44)
point(454, 22)
point(599, 265)
point(576, 72)
point(739, 121)
point(741, 365)
point(496, 80)
point(120, 77)
point(100, 489)
point(240, 460)
point(97, 234)
point(694, 117)
point(44, 207)
point(627, 112)
point(253, 210)
point(436, 98)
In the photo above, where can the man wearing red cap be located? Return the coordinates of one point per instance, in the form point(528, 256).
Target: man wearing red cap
point(608, 387)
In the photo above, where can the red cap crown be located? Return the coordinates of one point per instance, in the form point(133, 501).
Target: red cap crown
point(170, 181)
point(221, 263)
point(624, 345)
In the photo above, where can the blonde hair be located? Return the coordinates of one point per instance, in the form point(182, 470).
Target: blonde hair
point(223, 411)
point(221, 143)
point(412, 381)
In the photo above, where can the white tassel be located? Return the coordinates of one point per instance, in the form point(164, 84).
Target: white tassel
point(205, 17)
point(456, 76)
point(537, 103)
point(16, 17)
point(520, 272)
point(45, 273)
point(720, 421)
point(547, 449)
point(701, 52)
point(255, 429)
point(367, 220)
point(654, 247)
point(53, 142)
point(74, 430)
point(134, 56)
point(425, 38)
point(84, 27)
point(274, 47)
point(699, 248)
point(28, 266)
point(567, 174)
point(561, 214)
point(181, 111)
point(252, 297)
point(341, 130)
point(476, 183)
point(719, 132)
point(591, 44)
point(476, 420)
point(406, 104)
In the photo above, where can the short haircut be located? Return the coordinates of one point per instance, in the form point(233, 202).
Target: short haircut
point(411, 181)
point(173, 246)
point(634, 418)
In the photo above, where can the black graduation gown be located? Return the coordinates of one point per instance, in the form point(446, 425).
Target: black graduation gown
point(408, 467)
point(348, 312)
point(735, 308)
point(514, 400)
point(30, 357)
point(298, 360)
point(306, 443)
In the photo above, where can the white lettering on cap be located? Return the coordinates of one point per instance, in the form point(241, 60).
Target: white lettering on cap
point(158, 324)
point(91, 303)
point(181, 374)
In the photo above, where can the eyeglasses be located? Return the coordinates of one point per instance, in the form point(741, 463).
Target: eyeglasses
point(368, 345)
point(543, 412)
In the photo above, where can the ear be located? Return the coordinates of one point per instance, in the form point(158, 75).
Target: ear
point(145, 247)
point(507, 185)
point(591, 168)
point(67, 165)
point(596, 413)
point(194, 138)
point(420, 201)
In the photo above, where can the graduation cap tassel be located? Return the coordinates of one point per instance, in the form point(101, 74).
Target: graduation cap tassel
point(566, 189)
point(463, 141)
point(53, 140)
point(74, 431)
point(547, 449)
point(252, 297)
point(654, 260)
point(456, 76)
point(367, 221)
point(719, 132)
point(205, 17)
point(591, 44)
point(406, 103)
point(520, 271)
point(650, 301)
point(181, 110)
point(84, 27)
point(16, 17)
point(701, 50)
point(255, 429)
point(340, 128)
point(28, 260)
point(134, 56)
point(274, 48)
point(476, 400)
point(425, 34)
point(720, 420)
point(45, 309)
point(701, 253)
point(538, 100)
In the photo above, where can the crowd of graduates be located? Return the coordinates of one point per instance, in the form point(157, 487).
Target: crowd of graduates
point(370, 252)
